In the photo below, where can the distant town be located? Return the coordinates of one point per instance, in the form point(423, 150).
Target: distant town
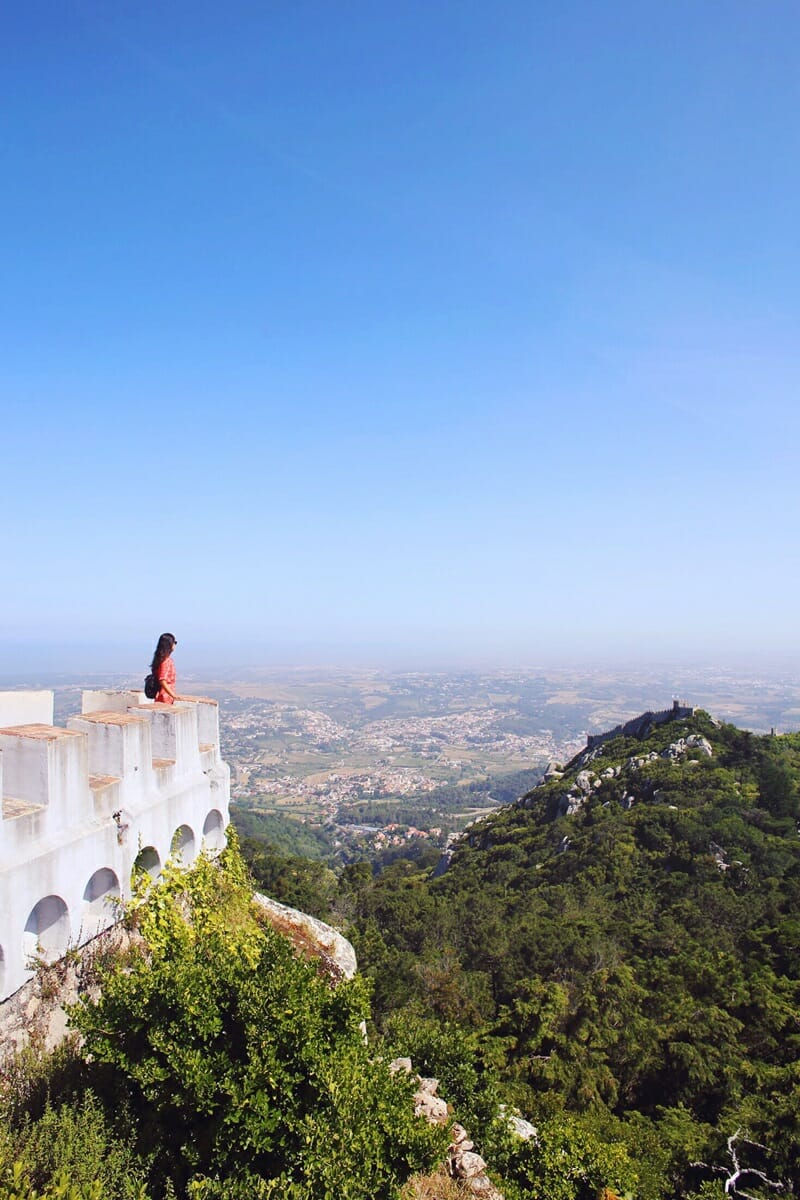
point(301, 762)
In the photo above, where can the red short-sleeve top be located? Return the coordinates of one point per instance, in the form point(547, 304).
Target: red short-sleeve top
point(166, 674)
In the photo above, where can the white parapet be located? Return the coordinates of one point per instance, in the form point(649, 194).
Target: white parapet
point(175, 734)
point(124, 787)
point(207, 721)
point(110, 701)
point(46, 768)
point(26, 708)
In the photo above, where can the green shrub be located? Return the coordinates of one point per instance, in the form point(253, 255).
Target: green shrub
point(76, 1141)
point(15, 1181)
point(246, 1071)
point(451, 1054)
point(567, 1160)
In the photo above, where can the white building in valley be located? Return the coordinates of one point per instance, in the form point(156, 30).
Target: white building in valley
point(125, 786)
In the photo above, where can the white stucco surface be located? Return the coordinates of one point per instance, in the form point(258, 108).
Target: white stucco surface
point(126, 778)
point(26, 708)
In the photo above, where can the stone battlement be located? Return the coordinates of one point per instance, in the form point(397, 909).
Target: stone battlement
point(639, 725)
point(126, 785)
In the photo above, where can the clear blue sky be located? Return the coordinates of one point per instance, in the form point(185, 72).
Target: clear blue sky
point(400, 330)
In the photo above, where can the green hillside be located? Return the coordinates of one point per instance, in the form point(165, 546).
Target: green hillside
point(623, 946)
point(285, 834)
point(616, 956)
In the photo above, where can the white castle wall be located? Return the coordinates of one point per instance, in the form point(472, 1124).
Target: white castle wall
point(127, 782)
point(25, 708)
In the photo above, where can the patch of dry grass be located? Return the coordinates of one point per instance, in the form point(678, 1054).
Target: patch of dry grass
point(438, 1186)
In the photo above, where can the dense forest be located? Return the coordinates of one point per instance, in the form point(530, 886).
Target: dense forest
point(631, 968)
point(283, 834)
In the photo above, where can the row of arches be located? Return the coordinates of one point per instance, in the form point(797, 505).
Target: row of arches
point(183, 847)
point(48, 929)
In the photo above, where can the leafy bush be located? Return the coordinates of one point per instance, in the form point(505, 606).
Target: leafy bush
point(567, 1160)
point(246, 1070)
point(76, 1142)
point(16, 1183)
point(452, 1055)
point(65, 1130)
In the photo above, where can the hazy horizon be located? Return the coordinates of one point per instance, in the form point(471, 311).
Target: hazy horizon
point(80, 659)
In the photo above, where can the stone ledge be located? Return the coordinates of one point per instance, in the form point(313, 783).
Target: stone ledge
point(39, 733)
point(311, 936)
point(13, 808)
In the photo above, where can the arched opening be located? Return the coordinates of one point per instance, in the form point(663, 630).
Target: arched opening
point(183, 845)
point(214, 830)
point(147, 862)
point(98, 901)
point(47, 930)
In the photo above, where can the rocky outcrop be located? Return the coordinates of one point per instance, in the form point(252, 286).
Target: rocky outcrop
point(36, 1014)
point(463, 1163)
point(720, 856)
point(443, 864)
point(518, 1125)
point(695, 743)
point(583, 779)
point(312, 938)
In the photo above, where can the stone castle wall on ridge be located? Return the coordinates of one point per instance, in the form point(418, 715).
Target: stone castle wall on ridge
point(638, 725)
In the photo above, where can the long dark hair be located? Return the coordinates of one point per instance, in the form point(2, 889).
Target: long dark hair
point(166, 644)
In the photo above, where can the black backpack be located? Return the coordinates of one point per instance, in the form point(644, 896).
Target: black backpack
point(151, 687)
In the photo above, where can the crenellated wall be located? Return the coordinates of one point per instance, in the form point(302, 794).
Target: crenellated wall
point(639, 725)
point(127, 782)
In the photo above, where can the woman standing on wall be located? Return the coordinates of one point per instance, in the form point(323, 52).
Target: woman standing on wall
point(163, 669)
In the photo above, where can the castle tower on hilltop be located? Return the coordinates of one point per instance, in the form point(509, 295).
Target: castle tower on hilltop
point(125, 786)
